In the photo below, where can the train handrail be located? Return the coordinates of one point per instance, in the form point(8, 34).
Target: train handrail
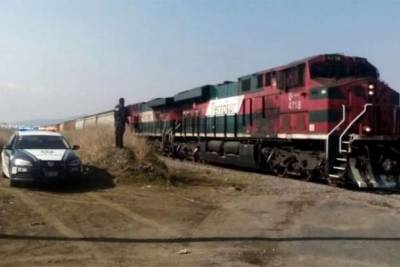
point(334, 129)
point(350, 125)
point(173, 128)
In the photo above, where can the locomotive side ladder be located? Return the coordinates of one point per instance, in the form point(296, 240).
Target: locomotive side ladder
point(337, 171)
point(168, 137)
point(341, 164)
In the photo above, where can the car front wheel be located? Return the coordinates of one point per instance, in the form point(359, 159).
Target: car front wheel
point(13, 183)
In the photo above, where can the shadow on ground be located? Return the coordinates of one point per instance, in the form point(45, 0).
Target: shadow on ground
point(92, 179)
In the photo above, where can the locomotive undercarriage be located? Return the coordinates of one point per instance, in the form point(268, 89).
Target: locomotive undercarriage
point(294, 162)
point(302, 160)
point(368, 163)
point(374, 164)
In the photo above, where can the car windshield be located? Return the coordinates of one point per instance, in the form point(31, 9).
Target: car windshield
point(41, 142)
point(341, 70)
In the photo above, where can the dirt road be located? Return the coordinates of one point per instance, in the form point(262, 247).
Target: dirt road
point(260, 221)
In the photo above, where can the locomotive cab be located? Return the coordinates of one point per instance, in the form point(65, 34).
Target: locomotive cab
point(340, 67)
point(363, 141)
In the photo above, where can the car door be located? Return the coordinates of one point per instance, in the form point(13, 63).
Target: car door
point(6, 156)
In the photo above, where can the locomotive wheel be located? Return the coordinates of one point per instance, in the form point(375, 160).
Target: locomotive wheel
point(307, 175)
point(331, 182)
point(280, 170)
point(196, 155)
point(337, 182)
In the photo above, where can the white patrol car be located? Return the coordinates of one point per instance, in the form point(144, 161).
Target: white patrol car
point(39, 156)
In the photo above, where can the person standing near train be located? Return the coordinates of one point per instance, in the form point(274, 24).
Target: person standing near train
point(120, 119)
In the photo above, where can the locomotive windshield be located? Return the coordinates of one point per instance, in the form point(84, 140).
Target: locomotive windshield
point(340, 70)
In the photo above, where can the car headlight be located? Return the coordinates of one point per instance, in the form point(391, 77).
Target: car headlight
point(22, 162)
point(75, 162)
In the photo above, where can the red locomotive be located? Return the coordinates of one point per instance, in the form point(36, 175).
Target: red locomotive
point(327, 117)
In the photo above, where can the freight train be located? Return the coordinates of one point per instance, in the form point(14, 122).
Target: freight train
point(326, 117)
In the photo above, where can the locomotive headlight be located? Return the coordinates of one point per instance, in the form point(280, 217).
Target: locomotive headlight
point(371, 92)
point(367, 129)
point(371, 86)
point(387, 165)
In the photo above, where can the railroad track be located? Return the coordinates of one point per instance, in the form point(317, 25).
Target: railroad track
point(204, 165)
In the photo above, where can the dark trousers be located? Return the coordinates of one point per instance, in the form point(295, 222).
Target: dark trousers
point(119, 136)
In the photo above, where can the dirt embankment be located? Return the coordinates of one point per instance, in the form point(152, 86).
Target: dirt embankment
point(137, 162)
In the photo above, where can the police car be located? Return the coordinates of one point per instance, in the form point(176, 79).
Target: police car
point(39, 156)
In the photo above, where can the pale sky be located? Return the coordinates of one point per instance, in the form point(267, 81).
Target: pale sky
point(64, 58)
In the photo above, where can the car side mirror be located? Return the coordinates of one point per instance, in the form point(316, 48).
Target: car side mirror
point(7, 147)
point(75, 147)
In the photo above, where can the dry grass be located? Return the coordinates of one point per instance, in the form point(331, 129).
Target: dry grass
point(136, 162)
point(92, 144)
point(5, 135)
point(95, 142)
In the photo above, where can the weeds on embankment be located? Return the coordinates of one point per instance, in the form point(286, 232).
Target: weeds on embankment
point(5, 135)
point(137, 162)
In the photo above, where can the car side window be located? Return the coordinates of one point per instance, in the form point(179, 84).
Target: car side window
point(11, 142)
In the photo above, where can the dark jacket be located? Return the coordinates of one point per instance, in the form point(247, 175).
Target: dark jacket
point(120, 116)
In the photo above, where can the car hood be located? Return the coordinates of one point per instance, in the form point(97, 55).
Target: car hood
point(46, 154)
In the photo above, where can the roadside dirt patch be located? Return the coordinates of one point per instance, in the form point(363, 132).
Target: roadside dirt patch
point(13, 210)
point(267, 222)
point(383, 204)
point(185, 173)
point(294, 209)
point(258, 257)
